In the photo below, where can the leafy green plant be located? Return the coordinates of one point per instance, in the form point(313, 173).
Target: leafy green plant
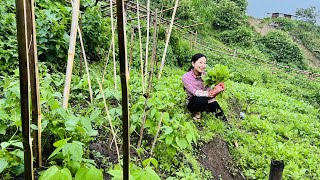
point(72, 161)
point(136, 172)
point(219, 73)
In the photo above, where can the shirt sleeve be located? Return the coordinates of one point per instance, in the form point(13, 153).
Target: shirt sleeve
point(192, 89)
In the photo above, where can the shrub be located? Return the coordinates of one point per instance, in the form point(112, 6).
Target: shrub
point(242, 36)
point(227, 15)
point(281, 48)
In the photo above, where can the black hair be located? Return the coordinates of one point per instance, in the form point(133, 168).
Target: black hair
point(195, 58)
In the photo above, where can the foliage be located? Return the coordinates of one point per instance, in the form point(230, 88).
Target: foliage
point(219, 73)
point(242, 36)
point(136, 172)
point(285, 24)
point(96, 33)
point(308, 14)
point(226, 15)
point(309, 36)
point(53, 25)
point(73, 163)
point(8, 42)
point(281, 48)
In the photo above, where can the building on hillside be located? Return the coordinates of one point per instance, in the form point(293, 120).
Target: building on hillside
point(282, 15)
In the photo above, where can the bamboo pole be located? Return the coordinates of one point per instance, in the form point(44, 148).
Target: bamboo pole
point(144, 115)
point(131, 47)
point(140, 43)
point(107, 61)
point(109, 119)
point(80, 63)
point(22, 22)
point(86, 64)
point(113, 47)
point(124, 87)
point(157, 133)
point(168, 38)
point(147, 42)
point(34, 80)
point(71, 52)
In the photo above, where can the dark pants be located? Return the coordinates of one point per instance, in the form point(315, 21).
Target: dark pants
point(200, 104)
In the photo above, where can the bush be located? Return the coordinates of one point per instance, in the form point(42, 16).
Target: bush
point(285, 24)
point(281, 48)
point(227, 15)
point(242, 36)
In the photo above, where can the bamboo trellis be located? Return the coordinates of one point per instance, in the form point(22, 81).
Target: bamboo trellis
point(71, 51)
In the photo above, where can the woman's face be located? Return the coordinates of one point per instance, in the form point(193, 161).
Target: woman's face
point(200, 64)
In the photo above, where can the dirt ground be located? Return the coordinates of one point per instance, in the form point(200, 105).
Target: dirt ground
point(217, 159)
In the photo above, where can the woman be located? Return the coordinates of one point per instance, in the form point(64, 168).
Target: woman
point(201, 98)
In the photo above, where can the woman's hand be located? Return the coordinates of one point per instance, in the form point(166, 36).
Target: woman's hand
point(216, 90)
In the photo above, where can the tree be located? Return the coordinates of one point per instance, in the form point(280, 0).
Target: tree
point(308, 14)
point(227, 15)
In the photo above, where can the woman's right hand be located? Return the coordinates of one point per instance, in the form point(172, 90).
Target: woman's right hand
point(216, 90)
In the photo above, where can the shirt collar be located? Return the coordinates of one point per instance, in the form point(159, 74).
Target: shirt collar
point(195, 76)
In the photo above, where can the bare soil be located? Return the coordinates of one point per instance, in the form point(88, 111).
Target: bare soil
point(217, 159)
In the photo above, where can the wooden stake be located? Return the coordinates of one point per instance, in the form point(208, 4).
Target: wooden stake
point(86, 64)
point(109, 119)
point(22, 29)
point(113, 47)
point(124, 87)
point(157, 133)
point(34, 81)
point(140, 41)
point(147, 42)
point(72, 44)
point(168, 38)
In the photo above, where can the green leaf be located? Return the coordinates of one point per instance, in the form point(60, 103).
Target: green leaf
point(74, 149)
point(4, 145)
point(189, 138)
point(116, 173)
point(165, 118)
point(3, 129)
point(3, 165)
point(85, 173)
point(182, 143)
point(18, 144)
point(169, 139)
point(168, 130)
point(152, 160)
point(74, 166)
point(53, 173)
point(71, 123)
point(61, 142)
point(145, 174)
point(55, 152)
point(94, 114)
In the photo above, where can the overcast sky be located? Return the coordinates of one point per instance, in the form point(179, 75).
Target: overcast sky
point(260, 8)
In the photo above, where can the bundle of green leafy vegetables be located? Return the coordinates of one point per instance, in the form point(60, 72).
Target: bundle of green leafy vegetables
point(219, 73)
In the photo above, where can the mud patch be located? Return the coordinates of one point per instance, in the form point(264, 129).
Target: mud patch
point(216, 158)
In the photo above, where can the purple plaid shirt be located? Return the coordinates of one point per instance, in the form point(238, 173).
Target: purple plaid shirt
point(194, 86)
